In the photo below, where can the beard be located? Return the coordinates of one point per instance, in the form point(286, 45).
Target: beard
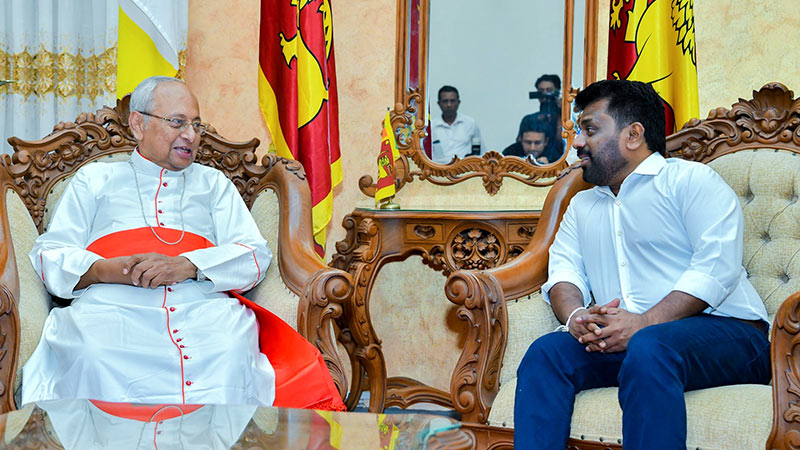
point(604, 164)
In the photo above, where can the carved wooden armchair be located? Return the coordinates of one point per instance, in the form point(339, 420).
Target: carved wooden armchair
point(755, 147)
point(300, 288)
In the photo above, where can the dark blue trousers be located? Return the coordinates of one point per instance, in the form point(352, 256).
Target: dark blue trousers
point(661, 363)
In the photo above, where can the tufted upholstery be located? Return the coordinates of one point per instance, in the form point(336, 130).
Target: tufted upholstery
point(768, 186)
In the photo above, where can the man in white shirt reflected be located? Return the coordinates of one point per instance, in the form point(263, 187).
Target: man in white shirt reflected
point(657, 245)
point(453, 134)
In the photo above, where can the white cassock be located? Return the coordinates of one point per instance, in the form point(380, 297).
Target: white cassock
point(187, 343)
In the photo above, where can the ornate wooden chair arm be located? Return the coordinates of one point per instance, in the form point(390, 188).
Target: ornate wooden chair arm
point(322, 289)
point(475, 380)
point(9, 346)
point(481, 297)
point(322, 302)
point(785, 355)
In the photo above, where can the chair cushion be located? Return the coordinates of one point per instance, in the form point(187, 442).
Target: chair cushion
point(271, 293)
point(34, 301)
point(768, 187)
point(529, 318)
point(737, 417)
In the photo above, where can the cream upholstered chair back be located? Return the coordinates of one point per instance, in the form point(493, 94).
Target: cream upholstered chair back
point(276, 191)
point(767, 182)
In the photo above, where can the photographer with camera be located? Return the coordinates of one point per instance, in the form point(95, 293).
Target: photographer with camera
point(548, 92)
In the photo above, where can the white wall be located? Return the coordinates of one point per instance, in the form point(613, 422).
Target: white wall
point(493, 52)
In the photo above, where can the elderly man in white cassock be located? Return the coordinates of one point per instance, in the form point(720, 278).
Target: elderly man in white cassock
point(148, 250)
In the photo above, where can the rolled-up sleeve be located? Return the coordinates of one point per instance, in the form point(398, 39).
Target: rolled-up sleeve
point(566, 261)
point(715, 227)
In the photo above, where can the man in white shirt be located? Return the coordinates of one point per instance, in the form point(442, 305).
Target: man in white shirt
point(657, 244)
point(148, 250)
point(453, 134)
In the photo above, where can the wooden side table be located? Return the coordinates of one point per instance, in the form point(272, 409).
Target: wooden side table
point(447, 241)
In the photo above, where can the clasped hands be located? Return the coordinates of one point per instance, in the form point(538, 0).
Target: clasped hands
point(149, 270)
point(606, 328)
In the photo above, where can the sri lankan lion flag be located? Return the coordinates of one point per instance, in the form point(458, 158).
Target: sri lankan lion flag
point(297, 93)
point(152, 35)
point(386, 158)
point(653, 41)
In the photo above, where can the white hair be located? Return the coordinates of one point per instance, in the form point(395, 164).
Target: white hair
point(142, 96)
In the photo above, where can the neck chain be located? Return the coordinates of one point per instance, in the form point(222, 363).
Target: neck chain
point(141, 204)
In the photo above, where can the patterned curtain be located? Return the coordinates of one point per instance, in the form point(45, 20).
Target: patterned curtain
point(62, 56)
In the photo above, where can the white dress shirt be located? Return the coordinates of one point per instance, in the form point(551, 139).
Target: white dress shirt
point(456, 139)
point(674, 226)
point(186, 343)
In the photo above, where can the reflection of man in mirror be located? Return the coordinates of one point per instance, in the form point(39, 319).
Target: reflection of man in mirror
point(453, 134)
point(548, 92)
point(532, 142)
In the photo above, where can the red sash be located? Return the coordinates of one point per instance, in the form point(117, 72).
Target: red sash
point(302, 379)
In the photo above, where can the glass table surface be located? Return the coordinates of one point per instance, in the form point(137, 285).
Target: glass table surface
point(87, 424)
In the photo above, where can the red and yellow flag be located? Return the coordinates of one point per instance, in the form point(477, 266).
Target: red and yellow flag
point(653, 41)
point(386, 159)
point(297, 94)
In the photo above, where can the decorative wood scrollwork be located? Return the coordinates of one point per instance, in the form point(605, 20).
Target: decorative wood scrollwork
point(356, 254)
point(770, 119)
point(475, 380)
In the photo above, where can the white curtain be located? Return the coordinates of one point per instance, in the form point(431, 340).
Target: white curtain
point(62, 55)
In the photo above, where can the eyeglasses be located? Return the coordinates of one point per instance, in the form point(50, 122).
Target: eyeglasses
point(180, 124)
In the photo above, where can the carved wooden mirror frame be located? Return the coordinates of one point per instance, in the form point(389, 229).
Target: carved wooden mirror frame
point(408, 121)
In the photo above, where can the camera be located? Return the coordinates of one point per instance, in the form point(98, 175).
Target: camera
point(547, 101)
point(543, 96)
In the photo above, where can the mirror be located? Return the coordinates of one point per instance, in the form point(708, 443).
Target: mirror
point(492, 53)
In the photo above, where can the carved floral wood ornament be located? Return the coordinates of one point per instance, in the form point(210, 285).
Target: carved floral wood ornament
point(408, 114)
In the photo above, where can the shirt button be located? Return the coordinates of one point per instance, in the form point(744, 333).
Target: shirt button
point(164, 184)
point(619, 232)
point(172, 308)
point(618, 203)
point(188, 383)
point(622, 264)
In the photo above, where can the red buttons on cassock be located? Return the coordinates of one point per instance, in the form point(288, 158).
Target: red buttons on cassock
point(175, 330)
point(179, 339)
point(172, 308)
point(161, 223)
point(169, 289)
point(188, 383)
point(165, 184)
point(160, 211)
point(185, 356)
point(182, 346)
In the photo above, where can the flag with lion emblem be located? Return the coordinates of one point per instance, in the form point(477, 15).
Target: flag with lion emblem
point(653, 41)
point(297, 94)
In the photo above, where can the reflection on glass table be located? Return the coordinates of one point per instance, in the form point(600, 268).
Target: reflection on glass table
point(89, 424)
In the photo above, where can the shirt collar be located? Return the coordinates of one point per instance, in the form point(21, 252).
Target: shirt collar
point(651, 165)
point(147, 167)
